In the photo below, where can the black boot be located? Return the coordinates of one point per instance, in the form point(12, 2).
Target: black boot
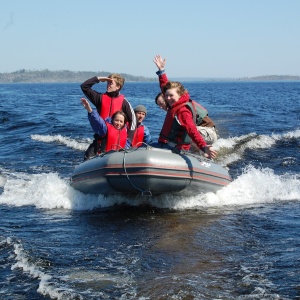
point(90, 152)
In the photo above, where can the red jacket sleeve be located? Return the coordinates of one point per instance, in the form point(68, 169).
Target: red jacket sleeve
point(163, 79)
point(185, 117)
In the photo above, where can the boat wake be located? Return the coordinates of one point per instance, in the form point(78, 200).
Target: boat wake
point(49, 191)
point(230, 149)
point(252, 186)
point(50, 285)
point(67, 141)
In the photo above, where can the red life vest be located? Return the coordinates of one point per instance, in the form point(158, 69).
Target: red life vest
point(172, 131)
point(115, 139)
point(110, 105)
point(138, 137)
point(198, 111)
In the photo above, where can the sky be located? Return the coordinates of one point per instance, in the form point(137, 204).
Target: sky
point(198, 38)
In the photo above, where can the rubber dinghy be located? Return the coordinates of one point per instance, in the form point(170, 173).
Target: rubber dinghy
point(149, 171)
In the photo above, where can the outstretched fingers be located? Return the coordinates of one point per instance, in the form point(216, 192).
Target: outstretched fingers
point(86, 104)
point(159, 61)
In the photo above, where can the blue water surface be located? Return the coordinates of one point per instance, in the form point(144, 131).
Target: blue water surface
point(240, 243)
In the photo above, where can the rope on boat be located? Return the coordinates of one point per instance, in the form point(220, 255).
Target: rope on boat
point(143, 192)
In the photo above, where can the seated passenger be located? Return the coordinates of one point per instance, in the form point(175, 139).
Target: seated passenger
point(161, 102)
point(179, 127)
point(205, 125)
point(107, 103)
point(141, 135)
point(113, 132)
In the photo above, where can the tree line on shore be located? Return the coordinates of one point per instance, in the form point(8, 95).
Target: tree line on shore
point(65, 76)
point(47, 76)
point(271, 77)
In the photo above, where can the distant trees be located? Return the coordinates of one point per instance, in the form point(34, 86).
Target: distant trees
point(60, 76)
point(70, 76)
point(271, 78)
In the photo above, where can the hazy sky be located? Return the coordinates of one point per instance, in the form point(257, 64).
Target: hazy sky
point(199, 38)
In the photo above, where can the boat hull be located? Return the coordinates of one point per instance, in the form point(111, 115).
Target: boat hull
point(149, 171)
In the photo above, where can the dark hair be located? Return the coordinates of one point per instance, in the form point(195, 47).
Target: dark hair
point(119, 112)
point(161, 95)
point(157, 96)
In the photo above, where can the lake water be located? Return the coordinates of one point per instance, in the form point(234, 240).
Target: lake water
point(242, 242)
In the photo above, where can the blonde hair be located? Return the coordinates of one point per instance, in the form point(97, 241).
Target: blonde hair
point(118, 79)
point(175, 85)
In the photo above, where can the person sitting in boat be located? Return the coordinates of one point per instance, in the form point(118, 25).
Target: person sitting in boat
point(161, 102)
point(179, 127)
point(107, 104)
point(205, 125)
point(113, 131)
point(142, 136)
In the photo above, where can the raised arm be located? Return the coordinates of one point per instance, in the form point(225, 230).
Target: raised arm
point(160, 62)
point(92, 95)
point(162, 76)
point(86, 105)
point(97, 123)
point(104, 79)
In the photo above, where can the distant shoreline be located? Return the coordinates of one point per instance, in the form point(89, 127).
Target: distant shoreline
point(65, 76)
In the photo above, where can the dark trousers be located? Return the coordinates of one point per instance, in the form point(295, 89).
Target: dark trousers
point(91, 151)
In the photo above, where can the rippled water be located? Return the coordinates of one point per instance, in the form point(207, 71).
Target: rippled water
point(240, 243)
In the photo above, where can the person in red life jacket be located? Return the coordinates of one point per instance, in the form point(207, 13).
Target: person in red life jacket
point(113, 131)
point(142, 135)
point(179, 127)
point(205, 125)
point(107, 104)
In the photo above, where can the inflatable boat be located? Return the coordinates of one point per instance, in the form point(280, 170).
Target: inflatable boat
point(149, 171)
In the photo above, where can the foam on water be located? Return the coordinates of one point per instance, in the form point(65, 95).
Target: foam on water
point(289, 135)
point(232, 149)
point(46, 190)
point(48, 284)
point(69, 142)
point(49, 191)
